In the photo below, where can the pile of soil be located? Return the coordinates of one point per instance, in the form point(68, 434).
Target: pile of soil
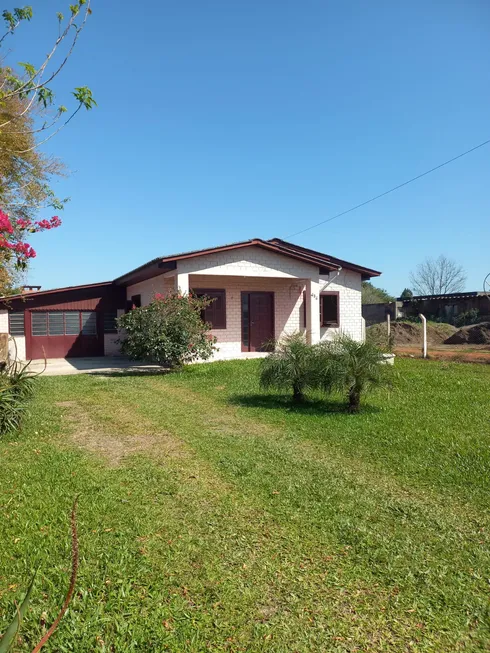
point(474, 334)
point(409, 333)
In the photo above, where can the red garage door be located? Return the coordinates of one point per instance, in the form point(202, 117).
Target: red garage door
point(63, 334)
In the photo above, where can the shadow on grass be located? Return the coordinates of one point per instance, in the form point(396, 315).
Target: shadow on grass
point(130, 372)
point(307, 407)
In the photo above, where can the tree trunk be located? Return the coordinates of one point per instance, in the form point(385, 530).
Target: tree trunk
point(354, 400)
point(298, 395)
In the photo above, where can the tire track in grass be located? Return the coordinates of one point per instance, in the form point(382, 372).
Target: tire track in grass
point(326, 505)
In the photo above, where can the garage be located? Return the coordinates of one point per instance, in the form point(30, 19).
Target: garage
point(64, 334)
point(69, 322)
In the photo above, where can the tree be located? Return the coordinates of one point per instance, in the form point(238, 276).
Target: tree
point(169, 331)
point(291, 366)
point(406, 294)
point(352, 367)
point(373, 295)
point(438, 276)
point(28, 120)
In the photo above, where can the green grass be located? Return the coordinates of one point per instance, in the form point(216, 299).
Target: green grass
point(238, 522)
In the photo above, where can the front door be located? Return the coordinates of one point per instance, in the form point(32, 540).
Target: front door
point(257, 321)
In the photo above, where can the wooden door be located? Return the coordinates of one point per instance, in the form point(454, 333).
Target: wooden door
point(261, 321)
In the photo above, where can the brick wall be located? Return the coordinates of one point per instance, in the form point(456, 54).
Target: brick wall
point(249, 262)
point(148, 288)
point(4, 321)
point(111, 346)
point(348, 284)
point(288, 302)
point(20, 342)
point(260, 270)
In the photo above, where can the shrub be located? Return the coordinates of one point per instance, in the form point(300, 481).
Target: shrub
point(467, 317)
point(351, 366)
point(169, 331)
point(292, 366)
point(342, 364)
point(16, 386)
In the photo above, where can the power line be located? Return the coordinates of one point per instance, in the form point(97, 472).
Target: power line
point(405, 183)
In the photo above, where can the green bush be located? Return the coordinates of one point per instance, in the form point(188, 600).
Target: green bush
point(467, 317)
point(292, 366)
point(342, 364)
point(352, 367)
point(16, 386)
point(169, 331)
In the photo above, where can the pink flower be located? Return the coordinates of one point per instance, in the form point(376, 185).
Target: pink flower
point(52, 223)
point(5, 224)
point(23, 250)
point(23, 224)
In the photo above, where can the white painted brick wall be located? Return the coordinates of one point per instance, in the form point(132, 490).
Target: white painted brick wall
point(148, 288)
point(4, 321)
point(348, 284)
point(19, 347)
point(288, 301)
point(247, 262)
point(257, 269)
point(111, 346)
point(20, 341)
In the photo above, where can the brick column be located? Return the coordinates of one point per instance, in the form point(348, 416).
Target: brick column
point(313, 311)
point(182, 282)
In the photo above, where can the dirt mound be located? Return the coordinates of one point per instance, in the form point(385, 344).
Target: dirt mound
point(474, 334)
point(409, 333)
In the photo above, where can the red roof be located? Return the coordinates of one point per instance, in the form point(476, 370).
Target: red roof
point(323, 261)
point(37, 293)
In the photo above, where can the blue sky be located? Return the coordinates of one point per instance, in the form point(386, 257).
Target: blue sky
point(222, 121)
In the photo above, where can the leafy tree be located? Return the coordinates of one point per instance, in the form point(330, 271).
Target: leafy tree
point(292, 366)
point(406, 294)
point(169, 331)
point(352, 367)
point(438, 276)
point(373, 295)
point(28, 119)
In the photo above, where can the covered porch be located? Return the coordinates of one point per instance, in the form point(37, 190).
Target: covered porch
point(249, 312)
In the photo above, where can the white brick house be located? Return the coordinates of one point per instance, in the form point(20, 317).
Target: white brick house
point(262, 290)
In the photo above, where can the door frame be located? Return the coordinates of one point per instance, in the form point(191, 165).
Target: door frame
point(245, 348)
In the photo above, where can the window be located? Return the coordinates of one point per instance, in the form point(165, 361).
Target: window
point(72, 323)
point(56, 324)
point(16, 323)
point(110, 325)
point(39, 324)
point(136, 301)
point(64, 323)
point(89, 323)
point(215, 313)
point(329, 309)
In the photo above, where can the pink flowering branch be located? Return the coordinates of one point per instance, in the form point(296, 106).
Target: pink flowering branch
point(12, 233)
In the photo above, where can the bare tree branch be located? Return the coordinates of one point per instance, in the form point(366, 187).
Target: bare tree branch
point(438, 277)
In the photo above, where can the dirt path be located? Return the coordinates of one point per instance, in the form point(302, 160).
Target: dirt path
point(461, 354)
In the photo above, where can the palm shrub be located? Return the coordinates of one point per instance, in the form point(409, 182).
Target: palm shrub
point(169, 331)
point(293, 365)
point(16, 387)
point(352, 367)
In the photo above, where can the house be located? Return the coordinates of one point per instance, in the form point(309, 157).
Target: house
point(263, 289)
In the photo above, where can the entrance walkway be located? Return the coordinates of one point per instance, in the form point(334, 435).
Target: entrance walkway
point(107, 364)
point(112, 364)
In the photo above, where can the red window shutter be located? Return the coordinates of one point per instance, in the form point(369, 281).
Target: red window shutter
point(215, 313)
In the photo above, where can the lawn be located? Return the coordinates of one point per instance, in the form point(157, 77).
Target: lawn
point(216, 518)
